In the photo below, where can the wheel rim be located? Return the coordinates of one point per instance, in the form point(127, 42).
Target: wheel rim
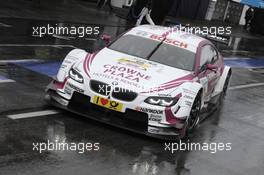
point(226, 84)
point(194, 116)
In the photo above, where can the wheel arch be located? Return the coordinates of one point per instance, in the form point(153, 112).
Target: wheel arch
point(190, 90)
point(220, 84)
point(71, 58)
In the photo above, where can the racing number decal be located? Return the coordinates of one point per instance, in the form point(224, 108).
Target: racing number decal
point(110, 104)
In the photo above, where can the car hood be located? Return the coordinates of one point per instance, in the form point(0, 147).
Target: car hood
point(131, 72)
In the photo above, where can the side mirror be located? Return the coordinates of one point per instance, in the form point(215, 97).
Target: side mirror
point(106, 38)
point(211, 67)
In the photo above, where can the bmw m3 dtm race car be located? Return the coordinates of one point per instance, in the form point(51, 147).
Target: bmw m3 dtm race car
point(149, 80)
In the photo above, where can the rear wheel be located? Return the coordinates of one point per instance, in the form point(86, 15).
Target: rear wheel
point(226, 83)
point(224, 91)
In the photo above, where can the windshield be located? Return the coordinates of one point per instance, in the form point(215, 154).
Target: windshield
point(155, 51)
point(134, 45)
point(174, 56)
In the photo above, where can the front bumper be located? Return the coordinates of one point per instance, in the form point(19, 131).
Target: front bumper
point(131, 120)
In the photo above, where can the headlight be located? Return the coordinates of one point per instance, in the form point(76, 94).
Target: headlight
point(73, 74)
point(161, 101)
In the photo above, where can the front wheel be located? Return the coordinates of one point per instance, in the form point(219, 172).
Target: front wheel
point(194, 118)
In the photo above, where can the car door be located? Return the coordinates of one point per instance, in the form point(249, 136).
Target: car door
point(208, 78)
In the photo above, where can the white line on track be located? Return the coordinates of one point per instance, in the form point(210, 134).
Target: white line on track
point(19, 61)
point(4, 25)
point(246, 86)
point(32, 114)
point(7, 81)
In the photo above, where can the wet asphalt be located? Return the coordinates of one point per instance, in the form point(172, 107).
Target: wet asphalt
point(240, 120)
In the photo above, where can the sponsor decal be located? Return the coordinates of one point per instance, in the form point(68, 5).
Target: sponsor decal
point(189, 91)
point(67, 61)
point(74, 88)
point(169, 41)
point(118, 79)
point(138, 64)
point(68, 90)
point(188, 97)
point(153, 130)
point(110, 104)
point(151, 111)
point(63, 66)
point(125, 73)
point(164, 95)
point(188, 103)
point(155, 118)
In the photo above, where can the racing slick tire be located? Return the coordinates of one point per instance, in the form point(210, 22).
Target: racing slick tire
point(224, 91)
point(194, 117)
point(226, 83)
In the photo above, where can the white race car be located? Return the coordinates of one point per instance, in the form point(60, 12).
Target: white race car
point(149, 80)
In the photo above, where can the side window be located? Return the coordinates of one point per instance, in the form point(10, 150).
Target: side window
point(208, 55)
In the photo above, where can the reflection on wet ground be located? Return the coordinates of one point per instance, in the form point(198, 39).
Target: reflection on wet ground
point(243, 47)
point(121, 152)
point(239, 122)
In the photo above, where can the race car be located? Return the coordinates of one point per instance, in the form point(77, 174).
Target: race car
point(151, 80)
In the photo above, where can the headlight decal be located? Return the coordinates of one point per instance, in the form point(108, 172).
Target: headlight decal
point(163, 101)
point(73, 74)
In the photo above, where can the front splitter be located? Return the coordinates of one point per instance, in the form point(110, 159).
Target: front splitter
point(114, 119)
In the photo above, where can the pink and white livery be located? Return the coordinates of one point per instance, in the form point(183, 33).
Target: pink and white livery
point(150, 80)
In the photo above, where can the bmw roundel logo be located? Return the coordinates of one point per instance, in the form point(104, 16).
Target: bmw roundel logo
point(114, 83)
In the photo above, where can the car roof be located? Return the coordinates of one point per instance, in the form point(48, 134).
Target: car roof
point(192, 40)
